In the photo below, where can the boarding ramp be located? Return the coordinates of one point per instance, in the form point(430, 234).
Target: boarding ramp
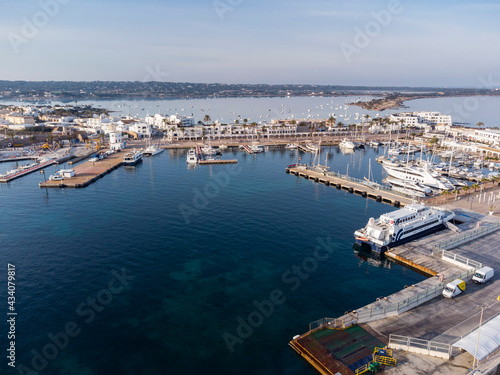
point(466, 237)
point(453, 227)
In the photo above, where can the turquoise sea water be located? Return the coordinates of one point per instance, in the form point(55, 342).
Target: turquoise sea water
point(202, 249)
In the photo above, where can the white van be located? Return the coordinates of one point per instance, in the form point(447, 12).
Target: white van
point(482, 275)
point(454, 288)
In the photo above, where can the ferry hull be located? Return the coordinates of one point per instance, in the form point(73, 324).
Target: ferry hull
point(135, 162)
point(380, 250)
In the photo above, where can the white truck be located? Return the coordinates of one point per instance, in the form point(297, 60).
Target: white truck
point(482, 275)
point(454, 288)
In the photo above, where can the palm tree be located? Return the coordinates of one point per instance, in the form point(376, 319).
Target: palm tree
point(445, 193)
point(331, 120)
point(479, 124)
point(466, 188)
point(475, 186)
point(207, 119)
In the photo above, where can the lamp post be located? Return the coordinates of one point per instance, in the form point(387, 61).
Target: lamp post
point(475, 363)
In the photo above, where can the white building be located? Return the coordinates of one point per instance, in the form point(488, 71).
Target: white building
point(489, 136)
point(421, 119)
point(142, 129)
point(116, 141)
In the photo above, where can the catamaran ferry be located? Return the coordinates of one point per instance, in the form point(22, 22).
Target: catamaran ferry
point(403, 225)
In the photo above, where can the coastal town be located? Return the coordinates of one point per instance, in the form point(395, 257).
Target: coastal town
point(463, 151)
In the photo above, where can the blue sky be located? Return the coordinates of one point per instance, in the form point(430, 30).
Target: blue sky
point(409, 43)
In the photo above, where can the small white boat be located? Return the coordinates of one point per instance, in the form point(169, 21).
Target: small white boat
point(291, 146)
point(191, 157)
point(256, 148)
point(223, 147)
point(209, 150)
point(347, 144)
point(152, 150)
point(56, 177)
point(312, 147)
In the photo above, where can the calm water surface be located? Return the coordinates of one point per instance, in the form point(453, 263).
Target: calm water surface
point(201, 249)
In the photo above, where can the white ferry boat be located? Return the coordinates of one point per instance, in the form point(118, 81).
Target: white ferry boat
point(132, 158)
point(191, 157)
point(400, 226)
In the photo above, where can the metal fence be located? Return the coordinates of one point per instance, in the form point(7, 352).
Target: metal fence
point(467, 236)
point(411, 344)
point(368, 313)
point(378, 312)
point(455, 258)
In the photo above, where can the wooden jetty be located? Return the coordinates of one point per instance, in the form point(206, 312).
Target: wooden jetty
point(18, 158)
point(87, 173)
point(353, 187)
point(218, 161)
point(25, 172)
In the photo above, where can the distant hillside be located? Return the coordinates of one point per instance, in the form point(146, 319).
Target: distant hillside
point(159, 90)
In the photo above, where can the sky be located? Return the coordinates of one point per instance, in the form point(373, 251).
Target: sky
point(360, 42)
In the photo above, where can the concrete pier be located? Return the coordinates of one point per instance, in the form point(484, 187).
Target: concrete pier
point(366, 190)
point(419, 313)
point(88, 172)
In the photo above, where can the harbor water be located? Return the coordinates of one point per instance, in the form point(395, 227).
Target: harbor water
point(468, 110)
point(166, 269)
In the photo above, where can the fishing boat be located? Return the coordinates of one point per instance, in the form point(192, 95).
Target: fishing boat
point(132, 158)
point(406, 224)
point(191, 157)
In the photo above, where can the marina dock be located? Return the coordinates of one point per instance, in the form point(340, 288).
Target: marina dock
point(218, 161)
point(417, 323)
point(365, 189)
point(25, 172)
point(88, 172)
point(18, 158)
